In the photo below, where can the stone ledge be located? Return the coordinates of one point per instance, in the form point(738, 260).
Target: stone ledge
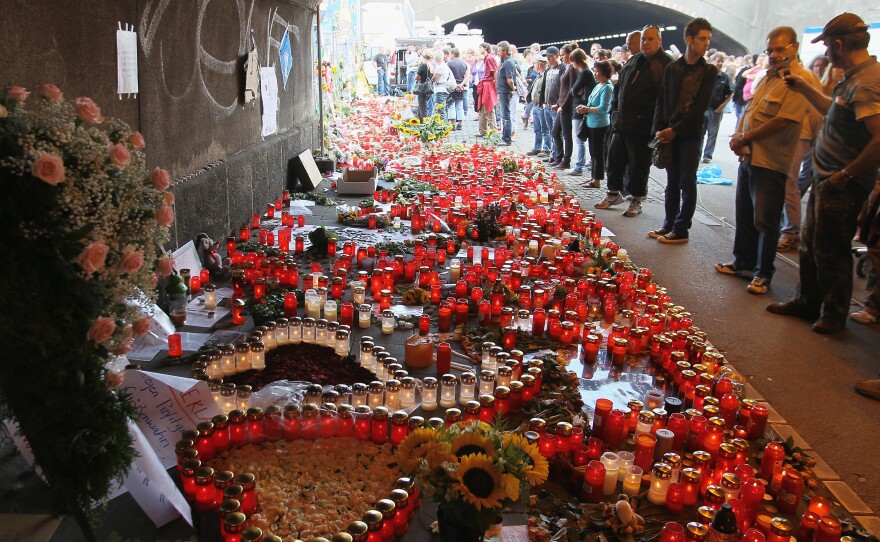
point(848, 498)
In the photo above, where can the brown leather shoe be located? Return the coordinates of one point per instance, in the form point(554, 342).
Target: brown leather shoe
point(795, 307)
point(827, 326)
point(869, 388)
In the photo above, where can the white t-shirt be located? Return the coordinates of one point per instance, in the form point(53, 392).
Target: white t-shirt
point(440, 82)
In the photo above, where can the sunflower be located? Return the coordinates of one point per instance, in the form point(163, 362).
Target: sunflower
point(538, 469)
point(413, 120)
point(478, 482)
point(511, 486)
point(415, 447)
point(438, 454)
point(473, 443)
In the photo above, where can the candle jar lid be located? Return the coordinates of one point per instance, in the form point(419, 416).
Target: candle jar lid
point(338, 537)
point(487, 375)
point(399, 417)
point(255, 413)
point(229, 506)
point(563, 429)
point(691, 476)
point(453, 414)
point(359, 388)
point(415, 422)
point(705, 514)
point(429, 382)
point(449, 379)
point(376, 387)
point(257, 346)
point(781, 526)
point(468, 378)
point(505, 371)
point(646, 416)
point(328, 410)
point(697, 531)
point(251, 534)
point(380, 413)
point(436, 423)
point(715, 494)
point(408, 383)
point(392, 385)
point(233, 491)
point(373, 519)
point(537, 424)
point(672, 459)
point(661, 471)
point(357, 528)
point(235, 519)
point(309, 411)
point(487, 401)
point(363, 409)
point(502, 392)
point(516, 387)
point(472, 407)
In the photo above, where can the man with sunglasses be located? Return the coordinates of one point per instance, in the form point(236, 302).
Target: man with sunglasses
point(845, 161)
point(766, 141)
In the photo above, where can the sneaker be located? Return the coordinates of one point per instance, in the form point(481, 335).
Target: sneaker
point(533, 152)
point(634, 209)
point(706, 160)
point(728, 269)
point(673, 238)
point(863, 317)
point(788, 243)
point(758, 286)
point(543, 154)
point(659, 232)
point(609, 200)
point(573, 171)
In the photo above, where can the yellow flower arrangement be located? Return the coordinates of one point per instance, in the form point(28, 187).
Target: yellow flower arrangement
point(429, 129)
point(472, 469)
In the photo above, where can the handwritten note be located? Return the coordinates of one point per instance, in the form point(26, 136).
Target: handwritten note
point(126, 62)
point(167, 406)
point(186, 257)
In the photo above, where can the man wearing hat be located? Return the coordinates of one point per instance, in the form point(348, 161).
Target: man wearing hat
point(542, 131)
point(845, 161)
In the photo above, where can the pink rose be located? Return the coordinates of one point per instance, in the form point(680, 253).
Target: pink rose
point(93, 257)
point(101, 330)
point(137, 140)
point(132, 260)
point(49, 168)
point(165, 266)
point(165, 215)
point(168, 197)
point(18, 93)
point(51, 92)
point(142, 326)
point(88, 110)
point(161, 179)
point(119, 155)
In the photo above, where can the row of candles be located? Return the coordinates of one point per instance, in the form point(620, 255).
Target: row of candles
point(234, 498)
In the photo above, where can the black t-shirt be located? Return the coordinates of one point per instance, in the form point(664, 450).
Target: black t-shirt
point(739, 84)
point(381, 61)
point(423, 72)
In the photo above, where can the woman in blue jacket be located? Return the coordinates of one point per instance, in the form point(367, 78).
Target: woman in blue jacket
point(596, 109)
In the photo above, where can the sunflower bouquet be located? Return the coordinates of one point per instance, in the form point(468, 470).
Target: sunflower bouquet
point(429, 129)
point(472, 470)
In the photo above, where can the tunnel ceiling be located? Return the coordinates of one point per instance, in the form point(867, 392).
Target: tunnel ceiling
point(545, 21)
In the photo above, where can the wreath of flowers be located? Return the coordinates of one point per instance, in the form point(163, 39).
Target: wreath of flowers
point(83, 227)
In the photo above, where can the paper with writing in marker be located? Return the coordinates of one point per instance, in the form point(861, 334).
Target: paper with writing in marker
point(187, 257)
point(166, 406)
point(151, 486)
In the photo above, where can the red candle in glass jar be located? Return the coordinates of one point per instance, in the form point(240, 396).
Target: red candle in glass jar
point(644, 453)
point(175, 346)
point(753, 535)
point(237, 428)
point(548, 444)
point(774, 454)
point(444, 317)
point(248, 483)
point(758, 421)
point(594, 479)
point(820, 506)
point(398, 427)
point(807, 528)
point(290, 305)
point(672, 532)
point(580, 455)
point(206, 494)
point(617, 427)
point(539, 321)
point(791, 491)
point(828, 530)
point(595, 446)
point(379, 425)
point(600, 417)
point(461, 311)
point(675, 498)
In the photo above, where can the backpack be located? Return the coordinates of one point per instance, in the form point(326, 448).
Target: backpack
point(450, 81)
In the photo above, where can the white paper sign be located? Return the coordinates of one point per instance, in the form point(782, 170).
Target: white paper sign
point(24, 447)
point(187, 257)
point(269, 95)
point(167, 405)
point(126, 62)
point(151, 486)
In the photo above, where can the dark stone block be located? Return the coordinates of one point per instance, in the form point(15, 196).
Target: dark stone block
point(200, 205)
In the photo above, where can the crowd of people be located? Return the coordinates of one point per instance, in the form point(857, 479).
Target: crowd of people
point(800, 128)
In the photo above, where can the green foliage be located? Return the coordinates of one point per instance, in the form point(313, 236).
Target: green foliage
point(271, 306)
point(253, 246)
point(320, 199)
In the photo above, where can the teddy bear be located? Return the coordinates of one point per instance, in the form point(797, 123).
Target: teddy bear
point(209, 254)
point(622, 518)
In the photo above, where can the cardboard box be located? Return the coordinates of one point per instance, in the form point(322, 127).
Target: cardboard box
point(357, 181)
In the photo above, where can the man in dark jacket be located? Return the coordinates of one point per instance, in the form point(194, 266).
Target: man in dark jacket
point(678, 121)
point(633, 104)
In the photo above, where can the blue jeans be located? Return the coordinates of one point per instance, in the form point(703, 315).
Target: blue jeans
point(439, 105)
point(381, 82)
point(711, 123)
point(528, 111)
point(579, 144)
point(760, 196)
point(467, 103)
point(410, 80)
point(542, 131)
point(504, 101)
point(681, 185)
point(549, 119)
point(514, 118)
point(456, 107)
